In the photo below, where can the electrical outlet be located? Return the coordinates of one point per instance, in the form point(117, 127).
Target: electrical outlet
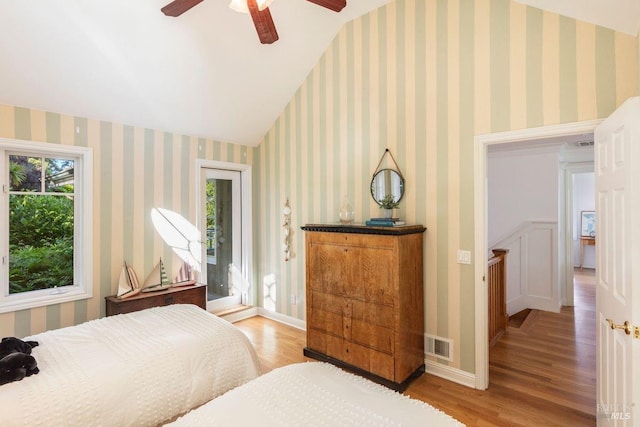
point(294, 299)
point(464, 257)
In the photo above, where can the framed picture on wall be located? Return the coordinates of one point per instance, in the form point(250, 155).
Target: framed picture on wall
point(588, 224)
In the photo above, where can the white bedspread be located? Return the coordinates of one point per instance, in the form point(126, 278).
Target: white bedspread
point(314, 394)
point(136, 369)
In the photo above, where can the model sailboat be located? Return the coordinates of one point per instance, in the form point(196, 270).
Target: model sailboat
point(186, 276)
point(128, 285)
point(157, 280)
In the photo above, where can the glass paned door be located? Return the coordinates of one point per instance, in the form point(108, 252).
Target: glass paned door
point(221, 210)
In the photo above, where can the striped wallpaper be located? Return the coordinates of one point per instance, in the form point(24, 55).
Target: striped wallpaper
point(135, 169)
point(422, 78)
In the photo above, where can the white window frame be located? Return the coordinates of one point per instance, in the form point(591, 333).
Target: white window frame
point(83, 237)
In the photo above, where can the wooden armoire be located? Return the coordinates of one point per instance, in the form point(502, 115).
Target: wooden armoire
point(364, 300)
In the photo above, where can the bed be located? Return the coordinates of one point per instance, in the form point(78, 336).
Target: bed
point(314, 394)
point(137, 369)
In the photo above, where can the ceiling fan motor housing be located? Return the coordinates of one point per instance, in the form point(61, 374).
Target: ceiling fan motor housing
point(262, 19)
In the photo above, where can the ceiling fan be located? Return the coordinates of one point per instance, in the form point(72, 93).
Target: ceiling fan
point(259, 10)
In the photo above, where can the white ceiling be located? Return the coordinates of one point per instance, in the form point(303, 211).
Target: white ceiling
point(202, 74)
point(620, 15)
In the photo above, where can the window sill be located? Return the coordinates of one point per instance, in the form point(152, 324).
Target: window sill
point(43, 298)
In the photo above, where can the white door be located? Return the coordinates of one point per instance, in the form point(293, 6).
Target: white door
point(221, 210)
point(617, 168)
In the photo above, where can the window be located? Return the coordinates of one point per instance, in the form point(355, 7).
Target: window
point(45, 224)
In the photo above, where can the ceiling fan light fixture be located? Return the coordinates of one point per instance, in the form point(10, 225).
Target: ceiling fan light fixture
point(242, 7)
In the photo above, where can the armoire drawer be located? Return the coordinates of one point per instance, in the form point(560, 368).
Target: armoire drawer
point(376, 362)
point(368, 312)
point(360, 273)
point(371, 336)
point(355, 321)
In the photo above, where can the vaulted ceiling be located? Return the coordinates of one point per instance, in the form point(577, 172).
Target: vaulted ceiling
point(203, 74)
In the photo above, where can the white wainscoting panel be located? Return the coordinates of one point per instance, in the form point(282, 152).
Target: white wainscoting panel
point(532, 267)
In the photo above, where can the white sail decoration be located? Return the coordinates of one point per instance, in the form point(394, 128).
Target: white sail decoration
point(128, 285)
point(157, 280)
point(182, 236)
point(186, 276)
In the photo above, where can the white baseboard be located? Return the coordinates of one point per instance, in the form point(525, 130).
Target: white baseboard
point(259, 311)
point(448, 373)
point(533, 303)
point(282, 318)
point(240, 315)
point(544, 304)
point(516, 305)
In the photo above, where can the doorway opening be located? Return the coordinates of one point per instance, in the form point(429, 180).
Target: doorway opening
point(545, 135)
point(223, 230)
point(223, 209)
point(579, 198)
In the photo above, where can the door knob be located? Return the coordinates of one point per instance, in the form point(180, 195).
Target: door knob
point(626, 326)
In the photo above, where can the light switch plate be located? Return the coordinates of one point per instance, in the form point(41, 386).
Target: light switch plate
point(464, 257)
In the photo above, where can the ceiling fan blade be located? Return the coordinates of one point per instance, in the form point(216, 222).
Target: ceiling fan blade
point(263, 22)
point(178, 7)
point(335, 5)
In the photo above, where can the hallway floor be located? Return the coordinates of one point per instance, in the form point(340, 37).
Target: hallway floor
point(552, 357)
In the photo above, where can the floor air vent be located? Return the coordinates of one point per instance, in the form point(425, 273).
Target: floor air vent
point(585, 144)
point(438, 347)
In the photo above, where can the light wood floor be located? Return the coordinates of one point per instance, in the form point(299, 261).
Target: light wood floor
point(541, 374)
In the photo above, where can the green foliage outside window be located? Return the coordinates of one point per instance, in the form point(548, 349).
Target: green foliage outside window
point(40, 242)
point(41, 227)
point(211, 216)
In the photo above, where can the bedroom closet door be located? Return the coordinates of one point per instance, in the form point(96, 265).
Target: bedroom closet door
point(221, 211)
